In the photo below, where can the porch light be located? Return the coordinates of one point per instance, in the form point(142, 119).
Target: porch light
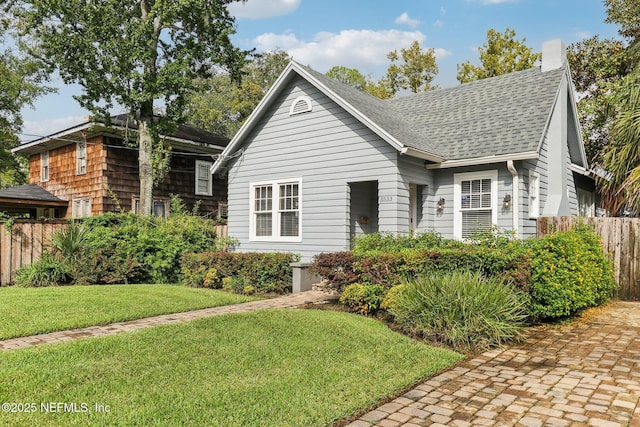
point(506, 202)
point(441, 203)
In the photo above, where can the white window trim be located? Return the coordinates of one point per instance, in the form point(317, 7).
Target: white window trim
point(84, 203)
point(44, 162)
point(275, 227)
point(210, 178)
point(457, 195)
point(534, 188)
point(81, 161)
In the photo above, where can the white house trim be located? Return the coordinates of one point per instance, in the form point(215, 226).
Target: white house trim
point(275, 211)
point(457, 197)
point(527, 155)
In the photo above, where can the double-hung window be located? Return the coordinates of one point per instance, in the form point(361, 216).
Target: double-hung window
point(275, 211)
point(44, 166)
point(81, 207)
point(475, 205)
point(81, 158)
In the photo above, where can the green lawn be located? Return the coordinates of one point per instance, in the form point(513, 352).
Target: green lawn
point(30, 311)
point(264, 368)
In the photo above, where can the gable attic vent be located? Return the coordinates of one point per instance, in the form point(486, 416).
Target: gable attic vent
point(301, 104)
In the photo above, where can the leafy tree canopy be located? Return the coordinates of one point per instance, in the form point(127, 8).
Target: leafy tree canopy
point(138, 55)
point(501, 54)
point(21, 81)
point(222, 106)
point(413, 69)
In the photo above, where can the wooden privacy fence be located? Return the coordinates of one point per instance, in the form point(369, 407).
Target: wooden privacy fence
point(620, 239)
point(23, 243)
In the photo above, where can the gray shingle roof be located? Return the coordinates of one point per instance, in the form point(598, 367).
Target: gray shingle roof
point(29, 192)
point(500, 115)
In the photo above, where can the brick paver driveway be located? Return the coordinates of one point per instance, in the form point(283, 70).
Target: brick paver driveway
point(587, 373)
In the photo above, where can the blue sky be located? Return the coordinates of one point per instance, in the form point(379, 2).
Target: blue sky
point(359, 34)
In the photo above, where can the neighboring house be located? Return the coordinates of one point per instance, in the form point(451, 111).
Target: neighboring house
point(319, 162)
point(89, 169)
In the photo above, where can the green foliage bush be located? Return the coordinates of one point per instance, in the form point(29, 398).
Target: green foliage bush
point(362, 299)
point(122, 248)
point(386, 242)
point(569, 272)
point(47, 271)
point(462, 309)
point(240, 272)
point(386, 268)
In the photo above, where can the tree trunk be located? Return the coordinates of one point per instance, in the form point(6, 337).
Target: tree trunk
point(145, 142)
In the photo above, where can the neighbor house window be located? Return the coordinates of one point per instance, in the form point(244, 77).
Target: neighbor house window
point(81, 158)
point(44, 166)
point(204, 179)
point(81, 207)
point(160, 206)
point(534, 195)
point(275, 211)
point(474, 203)
point(586, 205)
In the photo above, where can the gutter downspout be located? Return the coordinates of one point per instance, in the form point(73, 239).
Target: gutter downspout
point(516, 196)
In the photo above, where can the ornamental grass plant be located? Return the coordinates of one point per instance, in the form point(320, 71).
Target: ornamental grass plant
point(462, 309)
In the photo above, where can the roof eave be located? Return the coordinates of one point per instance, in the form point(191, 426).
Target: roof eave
point(253, 117)
point(32, 147)
point(527, 155)
point(15, 201)
point(35, 147)
point(413, 152)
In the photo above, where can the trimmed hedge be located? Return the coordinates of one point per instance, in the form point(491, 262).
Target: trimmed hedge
point(391, 268)
point(240, 272)
point(569, 272)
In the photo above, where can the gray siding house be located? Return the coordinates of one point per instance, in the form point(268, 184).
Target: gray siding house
point(319, 162)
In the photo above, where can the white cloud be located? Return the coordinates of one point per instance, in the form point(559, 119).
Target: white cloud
point(36, 129)
point(361, 49)
point(583, 34)
point(442, 53)
point(438, 23)
point(262, 9)
point(443, 11)
point(406, 20)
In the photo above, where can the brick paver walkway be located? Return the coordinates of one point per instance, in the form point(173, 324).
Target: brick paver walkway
point(586, 374)
point(287, 301)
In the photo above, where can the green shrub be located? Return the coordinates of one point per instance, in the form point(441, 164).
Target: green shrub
point(387, 242)
point(362, 299)
point(265, 272)
point(47, 271)
point(155, 245)
point(375, 267)
point(569, 272)
point(124, 248)
point(390, 300)
point(462, 309)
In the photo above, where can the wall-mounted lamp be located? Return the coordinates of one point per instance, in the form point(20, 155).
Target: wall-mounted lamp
point(440, 203)
point(506, 202)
